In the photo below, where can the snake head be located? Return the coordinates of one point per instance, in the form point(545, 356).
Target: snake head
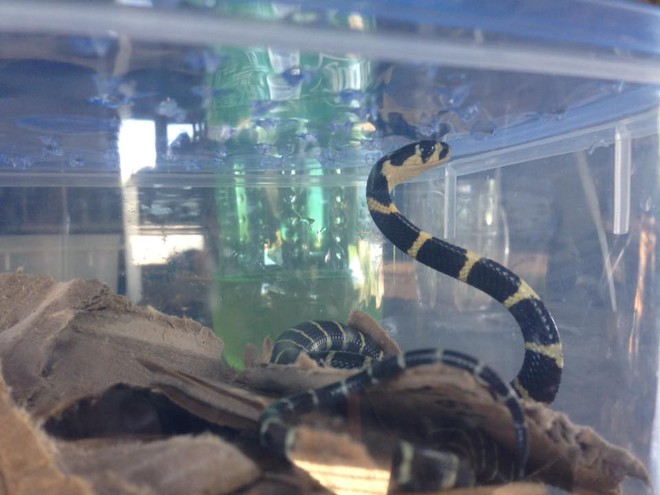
point(412, 160)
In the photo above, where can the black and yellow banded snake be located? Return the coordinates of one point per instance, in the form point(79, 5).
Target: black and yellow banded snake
point(539, 376)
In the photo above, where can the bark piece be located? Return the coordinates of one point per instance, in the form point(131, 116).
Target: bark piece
point(178, 465)
point(214, 401)
point(28, 458)
point(366, 324)
point(63, 341)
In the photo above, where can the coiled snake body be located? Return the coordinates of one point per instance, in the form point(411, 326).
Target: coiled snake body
point(539, 376)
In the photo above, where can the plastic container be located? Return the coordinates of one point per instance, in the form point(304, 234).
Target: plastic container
point(210, 159)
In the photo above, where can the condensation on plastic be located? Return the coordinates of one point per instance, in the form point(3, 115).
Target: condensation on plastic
point(201, 29)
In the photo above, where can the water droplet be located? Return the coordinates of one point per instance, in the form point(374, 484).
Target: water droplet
point(458, 95)
point(367, 144)
point(370, 158)
point(483, 129)
point(51, 147)
point(191, 165)
point(601, 143)
point(308, 138)
point(271, 161)
point(111, 158)
point(327, 157)
point(262, 107)
point(618, 86)
point(108, 100)
point(220, 156)
point(76, 162)
point(293, 75)
point(22, 162)
point(170, 108)
point(391, 324)
point(647, 204)
point(425, 130)
point(207, 94)
point(556, 116)
point(263, 148)
point(205, 60)
point(341, 127)
point(267, 123)
point(351, 97)
point(68, 124)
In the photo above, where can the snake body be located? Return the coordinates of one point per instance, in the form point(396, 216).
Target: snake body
point(334, 343)
point(540, 374)
point(277, 434)
point(330, 343)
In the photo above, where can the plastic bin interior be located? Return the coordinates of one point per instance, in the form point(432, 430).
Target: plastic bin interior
point(535, 98)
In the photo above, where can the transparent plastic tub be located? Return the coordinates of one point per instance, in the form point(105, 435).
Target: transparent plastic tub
point(210, 159)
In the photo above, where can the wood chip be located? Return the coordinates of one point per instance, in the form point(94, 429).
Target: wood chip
point(177, 465)
point(63, 341)
point(28, 458)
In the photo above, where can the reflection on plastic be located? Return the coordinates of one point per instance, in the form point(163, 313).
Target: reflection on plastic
point(345, 480)
point(135, 151)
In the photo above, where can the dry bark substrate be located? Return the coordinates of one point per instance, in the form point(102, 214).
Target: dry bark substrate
point(101, 396)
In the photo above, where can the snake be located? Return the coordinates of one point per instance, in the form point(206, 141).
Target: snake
point(341, 346)
point(330, 343)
